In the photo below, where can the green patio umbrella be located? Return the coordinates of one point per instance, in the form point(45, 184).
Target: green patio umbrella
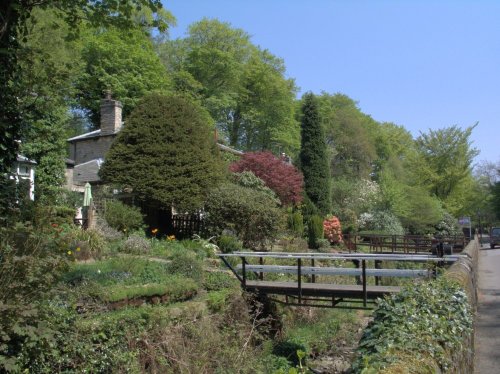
point(87, 195)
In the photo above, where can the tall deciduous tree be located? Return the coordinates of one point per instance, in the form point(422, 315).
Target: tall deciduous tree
point(166, 153)
point(122, 61)
point(14, 15)
point(243, 87)
point(495, 190)
point(349, 134)
point(48, 64)
point(314, 157)
point(445, 159)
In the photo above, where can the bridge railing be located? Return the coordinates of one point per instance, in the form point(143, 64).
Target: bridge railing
point(376, 243)
point(306, 268)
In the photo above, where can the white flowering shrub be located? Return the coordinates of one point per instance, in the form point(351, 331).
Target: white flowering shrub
point(363, 195)
point(365, 220)
point(382, 220)
point(448, 226)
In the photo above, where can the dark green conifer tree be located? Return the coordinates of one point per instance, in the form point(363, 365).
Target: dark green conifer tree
point(314, 160)
point(166, 152)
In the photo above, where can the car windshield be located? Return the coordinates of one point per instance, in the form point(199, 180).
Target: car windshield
point(496, 231)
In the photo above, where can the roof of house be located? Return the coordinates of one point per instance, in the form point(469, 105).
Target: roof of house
point(89, 135)
point(23, 159)
point(229, 149)
point(97, 133)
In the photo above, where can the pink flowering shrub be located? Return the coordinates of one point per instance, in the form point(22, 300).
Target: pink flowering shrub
point(332, 229)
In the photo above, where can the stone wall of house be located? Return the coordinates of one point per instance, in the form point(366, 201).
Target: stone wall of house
point(89, 149)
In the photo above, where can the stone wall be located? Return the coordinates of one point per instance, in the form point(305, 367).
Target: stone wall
point(90, 149)
point(465, 271)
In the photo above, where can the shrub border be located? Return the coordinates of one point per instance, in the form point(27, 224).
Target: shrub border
point(465, 273)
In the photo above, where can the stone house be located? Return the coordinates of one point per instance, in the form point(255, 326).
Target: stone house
point(88, 151)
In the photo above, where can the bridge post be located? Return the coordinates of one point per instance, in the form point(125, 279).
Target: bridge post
point(365, 295)
point(378, 265)
point(243, 267)
point(261, 262)
point(313, 277)
point(299, 280)
point(356, 264)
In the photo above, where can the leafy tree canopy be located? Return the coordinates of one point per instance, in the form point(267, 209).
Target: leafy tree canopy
point(122, 61)
point(495, 190)
point(14, 28)
point(243, 87)
point(349, 134)
point(47, 62)
point(445, 159)
point(166, 153)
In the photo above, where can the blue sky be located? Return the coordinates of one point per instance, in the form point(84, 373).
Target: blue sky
point(420, 64)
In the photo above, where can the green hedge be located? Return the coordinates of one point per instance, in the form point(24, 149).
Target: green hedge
point(122, 217)
point(251, 215)
point(314, 231)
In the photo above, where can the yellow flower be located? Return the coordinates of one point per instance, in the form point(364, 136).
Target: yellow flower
point(78, 249)
point(69, 252)
point(171, 237)
point(154, 231)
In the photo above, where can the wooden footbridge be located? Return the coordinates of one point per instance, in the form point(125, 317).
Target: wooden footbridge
point(313, 279)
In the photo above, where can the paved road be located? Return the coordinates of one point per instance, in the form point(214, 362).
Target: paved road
point(487, 338)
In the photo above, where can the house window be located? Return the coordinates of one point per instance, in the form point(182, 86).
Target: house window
point(24, 171)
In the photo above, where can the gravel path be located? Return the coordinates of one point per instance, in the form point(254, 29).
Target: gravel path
point(487, 338)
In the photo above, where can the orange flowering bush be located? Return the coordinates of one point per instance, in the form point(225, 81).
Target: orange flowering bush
point(332, 229)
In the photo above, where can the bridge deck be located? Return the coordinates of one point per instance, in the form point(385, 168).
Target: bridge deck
point(320, 289)
point(315, 270)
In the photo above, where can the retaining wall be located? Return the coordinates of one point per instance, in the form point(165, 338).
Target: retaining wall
point(465, 271)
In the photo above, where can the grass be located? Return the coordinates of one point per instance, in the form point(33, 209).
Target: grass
point(177, 289)
point(319, 330)
point(128, 277)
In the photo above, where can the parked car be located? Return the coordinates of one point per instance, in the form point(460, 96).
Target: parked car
point(494, 236)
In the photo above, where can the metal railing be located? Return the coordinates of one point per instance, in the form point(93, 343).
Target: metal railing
point(404, 243)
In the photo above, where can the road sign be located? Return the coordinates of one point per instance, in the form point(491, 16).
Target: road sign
point(464, 221)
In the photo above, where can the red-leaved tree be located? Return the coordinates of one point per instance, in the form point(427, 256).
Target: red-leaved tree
point(281, 177)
